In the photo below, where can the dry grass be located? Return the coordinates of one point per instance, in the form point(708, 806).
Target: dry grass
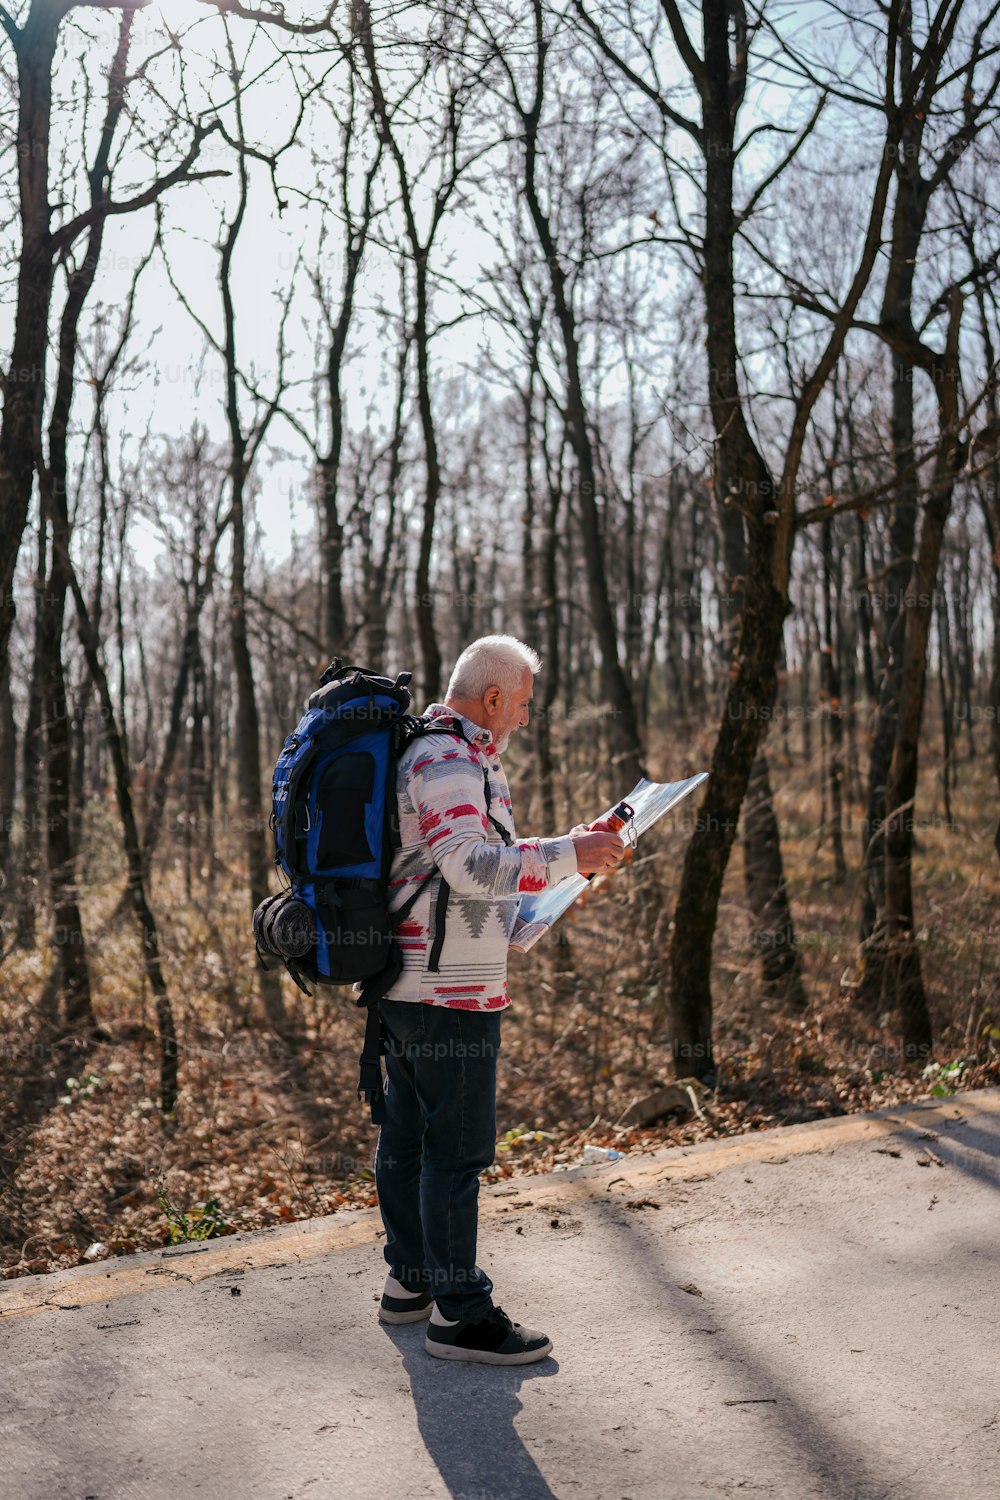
point(270, 1137)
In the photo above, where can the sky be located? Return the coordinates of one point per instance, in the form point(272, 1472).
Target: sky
point(174, 380)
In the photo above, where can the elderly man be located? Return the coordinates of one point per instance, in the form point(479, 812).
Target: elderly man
point(442, 1017)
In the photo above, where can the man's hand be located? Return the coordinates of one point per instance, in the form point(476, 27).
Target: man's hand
point(596, 851)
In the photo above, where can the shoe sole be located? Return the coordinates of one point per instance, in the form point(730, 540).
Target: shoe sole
point(486, 1356)
point(418, 1315)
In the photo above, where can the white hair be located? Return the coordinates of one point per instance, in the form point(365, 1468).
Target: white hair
point(492, 661)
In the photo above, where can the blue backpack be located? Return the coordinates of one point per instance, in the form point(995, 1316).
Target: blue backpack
point(335, 821)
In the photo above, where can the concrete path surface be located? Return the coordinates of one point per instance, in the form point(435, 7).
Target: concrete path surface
point(807, 1313)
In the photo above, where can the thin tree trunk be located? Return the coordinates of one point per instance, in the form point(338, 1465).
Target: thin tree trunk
point(965, 652)
point(380, 590)
point(909, 215)
point(69, 938)
point(549, 608)
point(946, 703)
point(615, 687)
point(201, 588)
point(33, 841)
point(830, 668)
point(864, 613)
point(332, 538)
point(420, 252)
point(24, 390)
point(903, 986)
point(68, 941)
point(901, 537)
point(250, 788)
point(773, 936)
point(133, 848)
point(8, 789)
point(988, 490)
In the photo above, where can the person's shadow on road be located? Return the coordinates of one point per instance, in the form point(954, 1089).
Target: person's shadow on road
point(466, 1415)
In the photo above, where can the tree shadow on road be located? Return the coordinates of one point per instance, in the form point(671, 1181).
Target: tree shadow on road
point(466, 1414)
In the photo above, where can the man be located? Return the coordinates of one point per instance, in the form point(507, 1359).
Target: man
point(442, 1017)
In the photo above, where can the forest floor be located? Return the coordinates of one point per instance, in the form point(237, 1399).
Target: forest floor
point(262, 1136)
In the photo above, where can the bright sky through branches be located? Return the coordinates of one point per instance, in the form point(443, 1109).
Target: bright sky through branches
point(293, 232)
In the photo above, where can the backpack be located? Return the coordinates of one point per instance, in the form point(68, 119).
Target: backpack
point(335, 821)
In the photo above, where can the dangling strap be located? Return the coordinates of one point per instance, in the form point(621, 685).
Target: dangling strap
point(371, 1084)
point(501, 830)
point(440, 915)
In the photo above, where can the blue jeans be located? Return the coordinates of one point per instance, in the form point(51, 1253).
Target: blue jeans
point(439, 1134)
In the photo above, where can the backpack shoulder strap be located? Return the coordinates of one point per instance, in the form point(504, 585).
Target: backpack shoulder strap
point(421, 725)
point(417, 728)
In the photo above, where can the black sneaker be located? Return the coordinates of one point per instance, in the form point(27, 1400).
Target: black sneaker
point(493, 1340)
point(401, 1306)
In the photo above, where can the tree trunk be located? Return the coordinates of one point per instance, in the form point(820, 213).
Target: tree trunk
point(909, 215)
point(864, 613)
point(249, 799)
point(549, 605)
point(946, 703)
point(332, 535)
point(420, 251)
point(68, 942)
point(902, 985)
point(380, 588)
point(830, 668)
point(988, 488)
point(201, 586)
point(741, 477)
point(618, 700)
point(34, 837)
point(773, 937)
point(902, 531)
point(24, 387)
point(53, 486)
point(8, 788)
point(133, 849)
point(250, 788)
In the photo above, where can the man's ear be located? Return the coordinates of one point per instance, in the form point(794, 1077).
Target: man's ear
point(491, 698)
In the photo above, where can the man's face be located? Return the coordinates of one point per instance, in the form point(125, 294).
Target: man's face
point(510, 711)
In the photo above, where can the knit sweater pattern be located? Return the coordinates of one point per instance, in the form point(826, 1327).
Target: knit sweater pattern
point(445, 831)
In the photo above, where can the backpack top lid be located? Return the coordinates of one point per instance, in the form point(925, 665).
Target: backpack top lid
point(342, 684)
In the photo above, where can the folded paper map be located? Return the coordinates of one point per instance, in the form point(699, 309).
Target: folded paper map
point(649, 801)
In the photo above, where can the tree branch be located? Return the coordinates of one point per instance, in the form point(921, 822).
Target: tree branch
point(64, 237)
point(653, 94)
point(685, 47)
point(274, 17)
point(10, 26)
point(742, 215)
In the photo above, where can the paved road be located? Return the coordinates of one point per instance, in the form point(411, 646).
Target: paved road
point(808, 1313)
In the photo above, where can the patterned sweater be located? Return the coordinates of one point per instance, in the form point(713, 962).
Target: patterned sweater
point(444, 830)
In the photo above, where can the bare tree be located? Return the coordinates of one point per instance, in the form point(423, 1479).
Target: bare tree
point(69, 942)
point(742, 477)
point(204, 522)
point(245, 438)
point(445, 162)
point(528, 109)
point(42, 246)
point(355, 227)
point(925, 74)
